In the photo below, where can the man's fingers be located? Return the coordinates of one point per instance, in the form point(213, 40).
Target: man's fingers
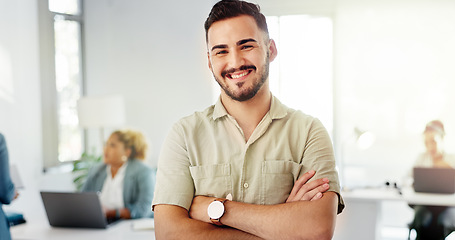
point(301, 181)
point(317, 196)
point(307, 192)
point(311, 189)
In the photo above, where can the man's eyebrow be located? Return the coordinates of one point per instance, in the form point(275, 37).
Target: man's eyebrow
point(222, 46)
point(243, 41)
point(239, 43)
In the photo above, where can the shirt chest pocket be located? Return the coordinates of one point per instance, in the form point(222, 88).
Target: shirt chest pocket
point(212, 180)
point(278, 178)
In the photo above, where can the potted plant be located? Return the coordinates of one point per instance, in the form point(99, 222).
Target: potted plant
point(82, 166)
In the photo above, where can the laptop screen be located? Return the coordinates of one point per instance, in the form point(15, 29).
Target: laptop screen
point(434, 180)
point(74, 209)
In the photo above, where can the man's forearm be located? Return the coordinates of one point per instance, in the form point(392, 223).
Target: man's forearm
point(309, 213)
point(172, 222)
point(296, 220)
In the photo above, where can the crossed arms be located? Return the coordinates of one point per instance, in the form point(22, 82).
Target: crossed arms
point(309, 213)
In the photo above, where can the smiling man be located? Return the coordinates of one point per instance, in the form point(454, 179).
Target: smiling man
point(247, 167)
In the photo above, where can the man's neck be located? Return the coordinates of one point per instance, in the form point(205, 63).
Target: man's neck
point(248, 113)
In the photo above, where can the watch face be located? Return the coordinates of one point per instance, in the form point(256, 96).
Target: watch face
point(215, 210)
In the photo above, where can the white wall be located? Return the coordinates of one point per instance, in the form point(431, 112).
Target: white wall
point(153, 53)
point(20, 109)
point(393, 73)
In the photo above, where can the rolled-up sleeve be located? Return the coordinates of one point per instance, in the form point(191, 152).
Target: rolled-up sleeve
point(318, 155)
point(174, 184)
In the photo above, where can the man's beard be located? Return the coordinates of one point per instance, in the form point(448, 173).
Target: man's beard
point(245, 94)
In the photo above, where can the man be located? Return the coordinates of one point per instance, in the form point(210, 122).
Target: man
point(230, 172)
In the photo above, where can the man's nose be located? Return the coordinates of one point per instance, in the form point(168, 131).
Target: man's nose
point(236, 59)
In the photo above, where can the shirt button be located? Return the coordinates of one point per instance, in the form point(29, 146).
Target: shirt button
point(245, 185)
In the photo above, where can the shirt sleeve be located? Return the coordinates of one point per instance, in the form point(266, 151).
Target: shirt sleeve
point(174, 184)
point(318, 155)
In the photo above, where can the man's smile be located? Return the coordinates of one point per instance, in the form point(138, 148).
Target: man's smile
point(238, 74)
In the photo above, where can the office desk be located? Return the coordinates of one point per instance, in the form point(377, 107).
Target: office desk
point(412, 197)
point(362, 217)
point(37, 226)
point(43, 231)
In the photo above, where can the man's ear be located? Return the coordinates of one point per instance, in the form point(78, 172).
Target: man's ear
point(273, 52)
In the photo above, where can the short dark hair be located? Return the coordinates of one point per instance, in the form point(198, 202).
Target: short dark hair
point(225, 9)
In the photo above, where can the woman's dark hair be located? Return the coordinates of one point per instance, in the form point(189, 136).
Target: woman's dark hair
point(225, 9)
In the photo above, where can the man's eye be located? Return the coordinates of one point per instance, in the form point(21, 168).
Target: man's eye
point(221, 52)
point(247, 47)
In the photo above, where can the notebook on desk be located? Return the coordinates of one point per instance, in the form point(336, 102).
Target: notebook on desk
point(434, 180)
point(74, 209)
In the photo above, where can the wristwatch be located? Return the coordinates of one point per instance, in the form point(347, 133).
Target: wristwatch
point(216, 210)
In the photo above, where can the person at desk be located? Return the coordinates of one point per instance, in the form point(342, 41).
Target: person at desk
point(125, 182)
point(432, 222)
point(7, 190)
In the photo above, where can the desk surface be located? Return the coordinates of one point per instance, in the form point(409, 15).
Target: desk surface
point(123, 230)
point(37, 226)
point(408, 195)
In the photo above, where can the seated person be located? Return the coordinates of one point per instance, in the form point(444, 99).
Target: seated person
point(431, 222)
point(125, 182)
point(7, 190)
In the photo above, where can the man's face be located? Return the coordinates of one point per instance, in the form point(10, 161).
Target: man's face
point(239, 56)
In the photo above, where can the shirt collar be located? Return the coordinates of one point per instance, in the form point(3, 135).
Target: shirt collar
point(120, 171)
point(277, 109)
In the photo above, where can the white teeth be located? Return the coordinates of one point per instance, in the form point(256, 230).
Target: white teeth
point(239, 75)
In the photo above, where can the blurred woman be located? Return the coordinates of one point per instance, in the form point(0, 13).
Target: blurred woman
point(434, 222)
point(434, 156)
point(125, 182)
point(7, 190)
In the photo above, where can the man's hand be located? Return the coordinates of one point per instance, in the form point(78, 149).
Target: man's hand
point(198, 210)
point(308, 191)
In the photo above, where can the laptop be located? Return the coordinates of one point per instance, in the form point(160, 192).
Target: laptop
point(74, 210)
point(434, 180)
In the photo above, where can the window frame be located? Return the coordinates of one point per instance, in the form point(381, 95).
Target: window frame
point(50, 120)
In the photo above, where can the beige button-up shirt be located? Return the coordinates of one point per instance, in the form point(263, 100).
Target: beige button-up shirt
point(206, 154)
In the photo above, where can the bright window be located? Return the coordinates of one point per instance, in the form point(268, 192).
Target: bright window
point(301, 75)
point(68, 74)
point(71, 7)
